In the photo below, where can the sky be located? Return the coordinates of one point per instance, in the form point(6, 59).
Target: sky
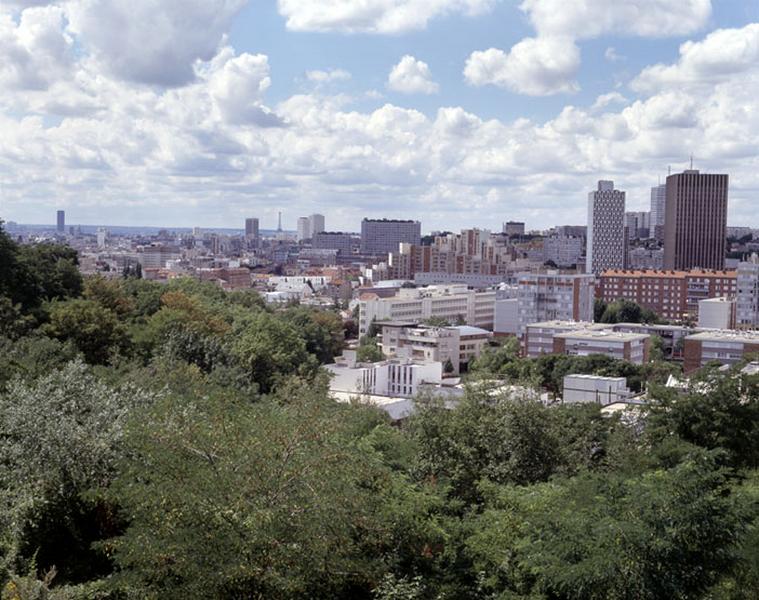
point(458, 113)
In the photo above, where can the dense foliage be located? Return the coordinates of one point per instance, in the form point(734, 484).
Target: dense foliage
point(177, 441)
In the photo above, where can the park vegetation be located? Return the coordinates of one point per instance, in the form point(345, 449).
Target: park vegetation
point(176, 441)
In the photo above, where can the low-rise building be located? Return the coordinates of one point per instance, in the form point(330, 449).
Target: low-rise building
point(595, 389)
point(396, 377)
point(583, 339)
point(457, 344)
point(723, 346)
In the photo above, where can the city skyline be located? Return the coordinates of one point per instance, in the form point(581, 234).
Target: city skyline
point(445, 112)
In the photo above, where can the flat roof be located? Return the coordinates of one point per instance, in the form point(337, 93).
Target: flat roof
point(668, 274)
point(469, 330)
point(603, 334)
point(726, 335)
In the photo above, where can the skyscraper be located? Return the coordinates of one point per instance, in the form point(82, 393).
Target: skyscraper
point(658, 198)
point(316, 224)
point(251, 227)
point(61, 227)
point(607, 242)
point(304, 228)
point(695, 221)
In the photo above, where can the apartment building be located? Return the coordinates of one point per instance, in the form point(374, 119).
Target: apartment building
point(550, 296)
point(584, 339)
point(607, 242)
point(382, 236)
point(723, 346)
point(457, 344)
point(453, 303)
point(344, 243)
point(563, 251)
point(747, 297)
point(673, 295)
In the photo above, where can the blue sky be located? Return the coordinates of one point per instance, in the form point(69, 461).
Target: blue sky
point(457, 112)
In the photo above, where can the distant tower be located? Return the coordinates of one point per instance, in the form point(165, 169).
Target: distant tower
point(304, 228)
point(61, 221)
point(251, 227)
point(316, 224)
point(658, 199)
point(279, 221)
point(607, 242)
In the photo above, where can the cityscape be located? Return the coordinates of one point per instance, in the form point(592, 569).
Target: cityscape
point(441, 333)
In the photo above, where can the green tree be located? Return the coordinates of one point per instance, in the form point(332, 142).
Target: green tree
point(61, 437)
point(369, 350)
point(93, 329)
point(270, 348)
point(665, 534)
point(238, 500)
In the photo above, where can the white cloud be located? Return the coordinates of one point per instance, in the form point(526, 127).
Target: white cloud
point(547, 63)
point(612, 56)
point(718, 57)
point(411, 76)
point(152, 41)
point(605, 100)
point(534, 66)
point(585, 19)
point(327, 76)
point(373, 16)
point(36, 52)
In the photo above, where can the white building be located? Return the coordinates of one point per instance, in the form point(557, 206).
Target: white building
point(595, 389)
point(315, 224)
point(607, 243)
point(398, 377)
point(304, 228)
point(552, 295)
point(747, 298)
point(450, 302)
point(563, 251)
point(458, 344)
point(716, 313)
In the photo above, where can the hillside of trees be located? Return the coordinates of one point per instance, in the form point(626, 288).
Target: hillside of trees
point(177, 441)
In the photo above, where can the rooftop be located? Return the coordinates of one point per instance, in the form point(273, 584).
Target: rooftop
point(650, 273)
point(726, 335)
point(603, 334)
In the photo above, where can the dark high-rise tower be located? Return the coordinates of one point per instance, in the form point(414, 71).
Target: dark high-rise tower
point(61, 221)
point(695, 221)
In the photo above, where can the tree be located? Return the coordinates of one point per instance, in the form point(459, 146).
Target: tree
point(61, 437)
point(369, 350)
point(436, 322)
point(231, 499)
point(94, 330)
point(665, 534)
point(270, 348)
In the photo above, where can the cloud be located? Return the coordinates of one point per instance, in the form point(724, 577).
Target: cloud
point(719, 56)
point(586, 19)
point(612, 56)
point(411, 76)
point(37, 51)
point(152, 41)
point(605, 100)
point(320, 77)
point(373, 16)
point(547, 63)
point(534, 66)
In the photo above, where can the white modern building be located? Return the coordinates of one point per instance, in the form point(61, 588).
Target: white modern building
point(716, 313)
point(607, 243)
point(397, 377)
point(315, 224)
point(595, 389)
point(458, 344)
point(658, 203)
point(304, 228)
point(453, 303)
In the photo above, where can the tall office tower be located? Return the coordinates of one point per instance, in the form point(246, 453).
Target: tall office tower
point(61, 221)
point(316, 224)
point(251, 227)
point(637, 224)
point(381, 236)
point(102, 237)
point(279, 221)
point(304, 228)
point(658, 198)
point(607, 242)
point(695, 221)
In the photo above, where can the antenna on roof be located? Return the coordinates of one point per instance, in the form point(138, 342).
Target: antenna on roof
point(691, 161)
point(669, 169)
